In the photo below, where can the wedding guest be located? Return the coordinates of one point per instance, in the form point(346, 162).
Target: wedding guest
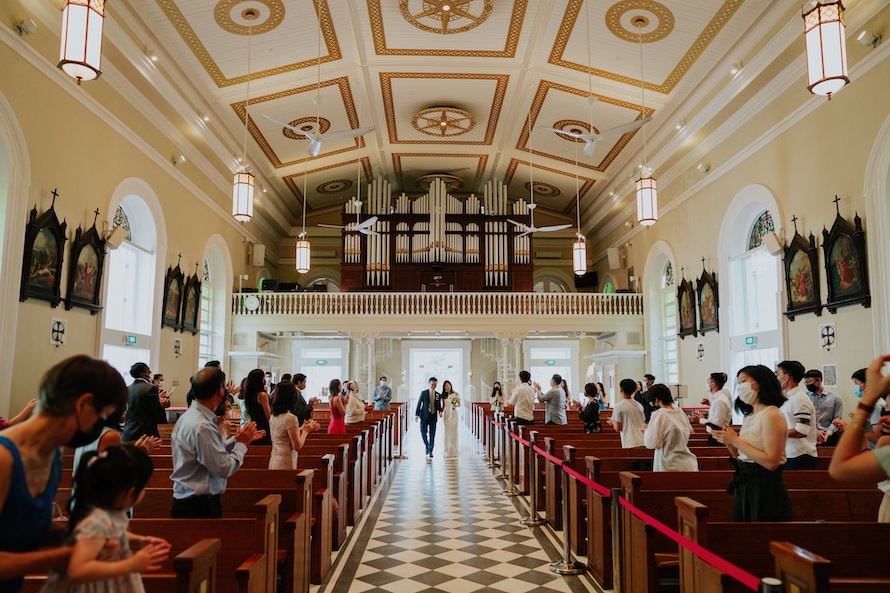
point(302, 408)
point(288, 437)
point(668, 433)
point(355, 408)
point(382, 394)
point(74, 397)
point(339, 399)
point(257, 404)
point(758, 488)
point(628, 417)
point(145, 405)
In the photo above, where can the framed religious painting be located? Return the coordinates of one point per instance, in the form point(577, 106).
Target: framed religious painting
point(42, 257)
point(686, 308)
point(708, 303)
point(85, 265)
point(191, 300)
point(174, 284)
point(802, 287)
point(846, 268)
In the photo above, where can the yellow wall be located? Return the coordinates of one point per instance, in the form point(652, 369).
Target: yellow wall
point(69, 147)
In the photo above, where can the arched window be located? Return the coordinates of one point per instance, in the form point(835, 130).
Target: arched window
point(661, 293)
point(206, 339)
point(130, 287)
point(216, 282)
point(750, 301)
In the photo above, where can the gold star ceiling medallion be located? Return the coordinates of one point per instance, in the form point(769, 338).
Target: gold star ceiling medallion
point(445, 16)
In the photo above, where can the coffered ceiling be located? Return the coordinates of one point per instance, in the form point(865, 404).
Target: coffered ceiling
point(458, 87)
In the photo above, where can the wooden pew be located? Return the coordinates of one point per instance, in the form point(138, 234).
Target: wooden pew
point(858, 560)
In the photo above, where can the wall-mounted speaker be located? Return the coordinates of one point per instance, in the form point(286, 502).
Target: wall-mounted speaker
point(258, 259)
point(614, 258)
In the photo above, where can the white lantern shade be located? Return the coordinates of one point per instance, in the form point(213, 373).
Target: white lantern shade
point(80, 52)
point(824, 30)
point(302, 254)
point(647, 201)
point(579, 256)
point(242, 196)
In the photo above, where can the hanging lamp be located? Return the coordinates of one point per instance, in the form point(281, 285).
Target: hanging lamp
point(80, 48)
point(825, 32)
point(646, 188)
point(244, 180)
point(579, 245)
point(303, 249)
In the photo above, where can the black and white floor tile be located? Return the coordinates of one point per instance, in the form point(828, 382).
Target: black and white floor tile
point(445, 527)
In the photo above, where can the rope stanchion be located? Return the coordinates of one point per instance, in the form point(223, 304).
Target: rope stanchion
point(617, 541)
point(509, 489)
point(568, 565)
point(502, 447)
point(403, 429)
point(532, 520)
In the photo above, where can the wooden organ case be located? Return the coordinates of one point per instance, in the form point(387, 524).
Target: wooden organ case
point(437, 242)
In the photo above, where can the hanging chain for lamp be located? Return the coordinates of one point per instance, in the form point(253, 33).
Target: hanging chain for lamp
point(579, 245)
point(646, 189)
point(244, 180)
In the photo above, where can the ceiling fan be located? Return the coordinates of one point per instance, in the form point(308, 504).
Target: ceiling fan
point(590, 140)
point(531, 228)
point(316, 140)
point(363, 227)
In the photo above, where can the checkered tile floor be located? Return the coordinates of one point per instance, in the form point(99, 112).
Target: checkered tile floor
point(445, 527)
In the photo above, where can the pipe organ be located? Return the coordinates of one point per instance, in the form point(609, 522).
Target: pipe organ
point(437, 241)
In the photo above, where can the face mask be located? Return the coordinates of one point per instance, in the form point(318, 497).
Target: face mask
point(812, 388)
point(857, 390)
point(745, 393)
point(383, 383)
point(82, 438)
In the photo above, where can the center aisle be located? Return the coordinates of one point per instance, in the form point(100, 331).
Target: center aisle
point(445, 527)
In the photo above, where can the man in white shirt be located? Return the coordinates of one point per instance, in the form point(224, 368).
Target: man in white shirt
point(720, 402)
point(523, 400)
point(627, 416)
point(800, 414)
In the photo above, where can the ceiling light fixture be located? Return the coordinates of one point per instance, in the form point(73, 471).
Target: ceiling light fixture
point(302, 249)
point(244, 181)
point(736, 68)
point(703, 168)
point(646, 188)
point(868, 39)
point(579, 245)
point(824, 31)
point(80, 53)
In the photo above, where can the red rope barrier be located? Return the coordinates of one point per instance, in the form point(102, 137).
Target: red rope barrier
point(742, 576)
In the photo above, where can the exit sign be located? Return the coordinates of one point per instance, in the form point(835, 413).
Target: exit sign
point(750, 340)
point(551, 363)
point(131, 340)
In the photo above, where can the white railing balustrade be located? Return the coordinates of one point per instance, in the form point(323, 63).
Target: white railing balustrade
point(451, 304)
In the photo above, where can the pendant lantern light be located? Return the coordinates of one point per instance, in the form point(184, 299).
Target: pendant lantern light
point(244, 180)
point(647, 193)
point(825, 33)
point(579, 255)
point(303, 249)
point(80, 52)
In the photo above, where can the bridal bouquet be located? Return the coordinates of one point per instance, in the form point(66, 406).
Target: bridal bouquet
point(455, 401)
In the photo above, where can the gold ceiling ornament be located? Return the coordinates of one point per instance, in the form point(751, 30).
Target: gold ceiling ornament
point(452, 182)
point(191, 38)
point(575, 126)
point(334, 186)
point(653, 19)
point(234, 16)
point(443, 121)
point(313, 125)
point(291, 180)
point(570, 18)
point(544, 190)
point(436, 16)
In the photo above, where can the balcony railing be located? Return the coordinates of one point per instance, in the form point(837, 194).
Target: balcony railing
point(452, 304)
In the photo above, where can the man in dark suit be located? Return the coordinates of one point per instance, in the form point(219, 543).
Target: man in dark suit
point(302, 409)
point(429, 407)
point(145, 405)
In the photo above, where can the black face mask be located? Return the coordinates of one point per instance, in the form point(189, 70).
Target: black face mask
point(812, 388)
point(82, 438)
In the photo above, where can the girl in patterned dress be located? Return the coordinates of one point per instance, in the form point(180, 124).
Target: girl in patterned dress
point(108, 484)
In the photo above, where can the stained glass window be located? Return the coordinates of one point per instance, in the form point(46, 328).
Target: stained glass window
point(762, 226)
point(121, 220)
point(667, 278)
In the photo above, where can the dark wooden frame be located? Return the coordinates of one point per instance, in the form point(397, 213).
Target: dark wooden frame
point(843, 229)
point(192, 284)
point(808, 247)
point(685, 286)
point(84, 240)
point(708, 279)
point(50, 222)
point(174, 275)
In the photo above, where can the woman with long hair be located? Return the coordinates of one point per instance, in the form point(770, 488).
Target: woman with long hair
point(288, 437)
point(257, 404)
point(355, 410)
point(339, 400)
point(758, 488)
point(451, 403)
point(497, 397)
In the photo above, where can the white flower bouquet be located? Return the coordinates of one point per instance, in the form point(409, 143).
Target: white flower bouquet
point(455, 401)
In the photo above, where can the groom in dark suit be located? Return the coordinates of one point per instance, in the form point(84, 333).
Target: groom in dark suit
point(429, 406)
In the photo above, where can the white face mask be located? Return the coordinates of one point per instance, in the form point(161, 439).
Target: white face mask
point(383, 383)
point(745, 393)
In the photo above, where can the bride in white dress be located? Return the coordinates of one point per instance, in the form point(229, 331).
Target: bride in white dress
point(450, 415)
